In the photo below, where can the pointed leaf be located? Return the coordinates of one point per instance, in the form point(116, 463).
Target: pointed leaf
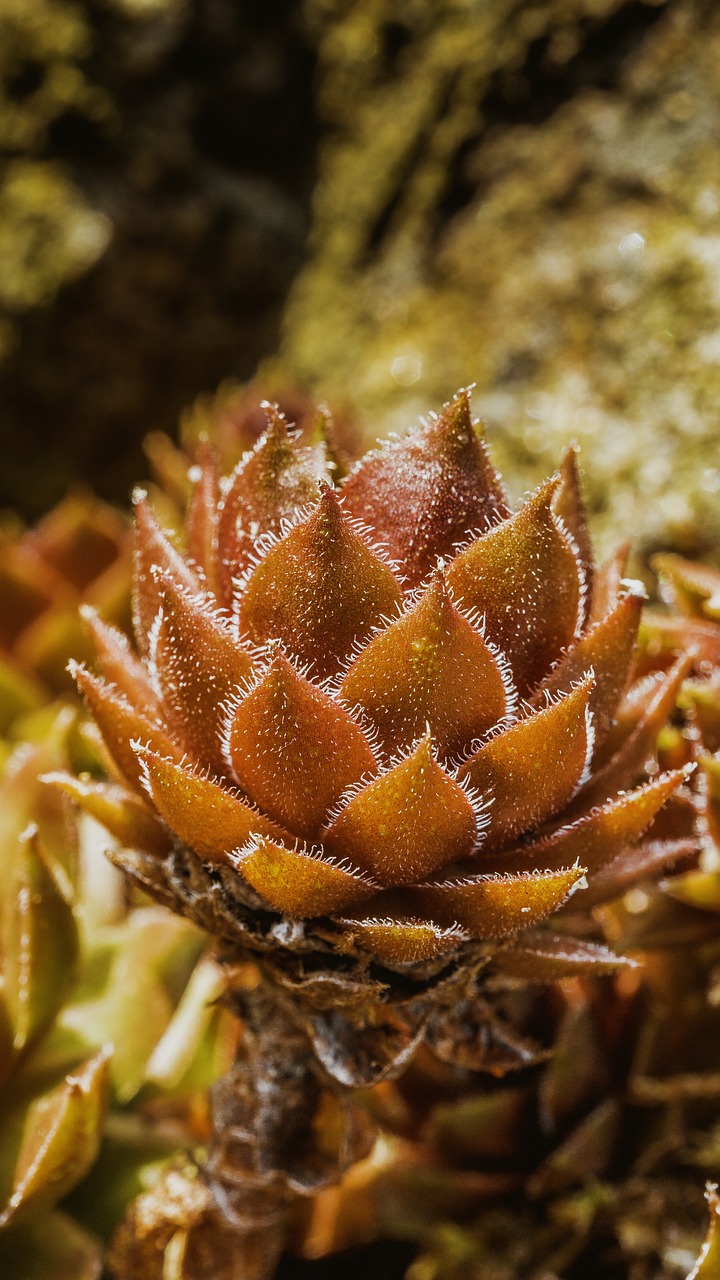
point(267, 487)
point(644, 861)
point(533, 768)
point(61, 1139)
point(293, 748)
point(431, 667)
point(321, 590)
point(212, 820)
point(608, 582)
point(570, 508)
point(198, 664)
point(302, 882)
point(399, 941)
point(40, 944)
point(117, 662)
point(201, 526)
point(599, 836)
point(407, 823)
point(185, 1041)
point(494, 905)
point(608, 650)
point(640, 745)
point(121, 725)
point(427, 492)
point(138, 996)
point(524, 579)
point(121, 812)
point(153, 553)
point(547, 957)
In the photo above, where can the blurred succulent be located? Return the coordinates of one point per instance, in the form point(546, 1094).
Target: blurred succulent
point(109, 1026)
point(690, 622)
point(79, 553)
point(374, 736)
point(589, 1166)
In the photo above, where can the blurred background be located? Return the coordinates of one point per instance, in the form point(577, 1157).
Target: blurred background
point(381, 200)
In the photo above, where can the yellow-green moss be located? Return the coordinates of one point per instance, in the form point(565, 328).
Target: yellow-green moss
point(578, 284)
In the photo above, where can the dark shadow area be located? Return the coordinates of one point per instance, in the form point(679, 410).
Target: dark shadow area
point(203, 169)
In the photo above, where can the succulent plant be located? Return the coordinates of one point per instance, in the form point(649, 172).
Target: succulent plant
point(373, 736)
point(109, 1035)
point(599, 1153)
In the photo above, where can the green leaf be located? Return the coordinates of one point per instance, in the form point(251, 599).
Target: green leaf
point(155, 956)
point(40, 943)
point(59, 1140)
point(187, 1051)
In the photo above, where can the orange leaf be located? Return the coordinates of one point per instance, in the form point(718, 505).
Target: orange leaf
point(607, 583)
point(643, 862)
point(640, 744)
point(121, 724)
point(599, 836)
point(199, 664)
point(532, 769)
point(493, 905)
point(301, 882)
point(321, 590)
point(267, 486)
point(121, 812)
point(202, 519)
point(427, 492)
point(608, 649)
point(404, 940)
point(524, 579)
point(153, 553)
point(207, 817)
point(293, 748)
point(540, 956)
point(406, 823)
point(117, 662)
point(430, 667)
point(569, 506)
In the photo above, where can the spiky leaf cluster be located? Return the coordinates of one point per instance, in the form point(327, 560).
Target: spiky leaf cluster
point(385, 724)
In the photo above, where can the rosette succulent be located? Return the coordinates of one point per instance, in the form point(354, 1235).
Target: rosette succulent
point(375, 732)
